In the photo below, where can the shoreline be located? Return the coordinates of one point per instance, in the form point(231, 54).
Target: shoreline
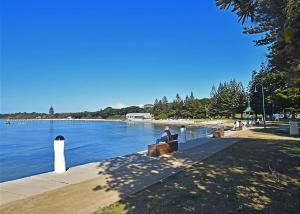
point(188, 123)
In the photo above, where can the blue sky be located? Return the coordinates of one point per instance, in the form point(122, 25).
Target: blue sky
point(86, 55)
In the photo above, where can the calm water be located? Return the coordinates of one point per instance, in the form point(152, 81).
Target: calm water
point(26, 148)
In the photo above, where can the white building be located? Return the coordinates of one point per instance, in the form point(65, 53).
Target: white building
point(139, 116)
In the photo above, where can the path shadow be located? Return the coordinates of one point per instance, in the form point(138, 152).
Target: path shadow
point(132, 173)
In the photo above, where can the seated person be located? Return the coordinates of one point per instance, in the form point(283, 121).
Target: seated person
point(241, 123)
point(165, 136)
point(236, 124)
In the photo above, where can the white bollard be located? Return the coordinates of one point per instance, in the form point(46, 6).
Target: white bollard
point(294, 129)
point(59, 155)
point(183, 134)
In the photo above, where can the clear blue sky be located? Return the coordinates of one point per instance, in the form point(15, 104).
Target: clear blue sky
point(85, 55)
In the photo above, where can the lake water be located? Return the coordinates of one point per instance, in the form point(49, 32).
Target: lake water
point(26, 148)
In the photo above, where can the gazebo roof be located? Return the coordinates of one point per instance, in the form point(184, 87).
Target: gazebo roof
point(248, 109)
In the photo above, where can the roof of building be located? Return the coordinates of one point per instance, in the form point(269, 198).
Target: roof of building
point(248, 109)
point(148, 105)
point(138, 114)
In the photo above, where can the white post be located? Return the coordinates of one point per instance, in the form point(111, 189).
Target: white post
point(182, 129)
point(183, 133)
point(294, 129)
point(59, 155)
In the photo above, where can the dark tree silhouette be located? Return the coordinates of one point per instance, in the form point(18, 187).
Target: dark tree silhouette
point(51, 110)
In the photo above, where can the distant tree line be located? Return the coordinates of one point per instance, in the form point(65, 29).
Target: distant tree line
point(107, 113)
point(189, 107)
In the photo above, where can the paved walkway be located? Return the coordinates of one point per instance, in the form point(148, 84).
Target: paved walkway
point(86, 188)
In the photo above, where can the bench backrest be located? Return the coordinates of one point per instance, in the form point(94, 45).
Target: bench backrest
point(173, 137)
point(164, 148)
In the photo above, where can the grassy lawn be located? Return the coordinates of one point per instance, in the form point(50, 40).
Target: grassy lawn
point(254, 176)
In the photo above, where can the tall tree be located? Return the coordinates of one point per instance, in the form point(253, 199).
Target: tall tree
point(186, 100)
point(178, 98)
point(228, 99)
point(165, 100)
point(158, 107)
point(192, 98)
point(213, 105)
point(278, 21)
point(164, 105)
point(51, 110)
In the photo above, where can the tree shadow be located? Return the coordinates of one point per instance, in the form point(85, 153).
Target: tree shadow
point(252, 176)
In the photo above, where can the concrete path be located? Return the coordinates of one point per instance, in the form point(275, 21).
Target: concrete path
point(86, 188)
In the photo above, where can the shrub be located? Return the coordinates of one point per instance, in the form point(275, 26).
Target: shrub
point(161, 117)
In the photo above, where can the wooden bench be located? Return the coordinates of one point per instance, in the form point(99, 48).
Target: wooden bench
point(155, 150)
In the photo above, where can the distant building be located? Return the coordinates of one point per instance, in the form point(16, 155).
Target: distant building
point(139, 116)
